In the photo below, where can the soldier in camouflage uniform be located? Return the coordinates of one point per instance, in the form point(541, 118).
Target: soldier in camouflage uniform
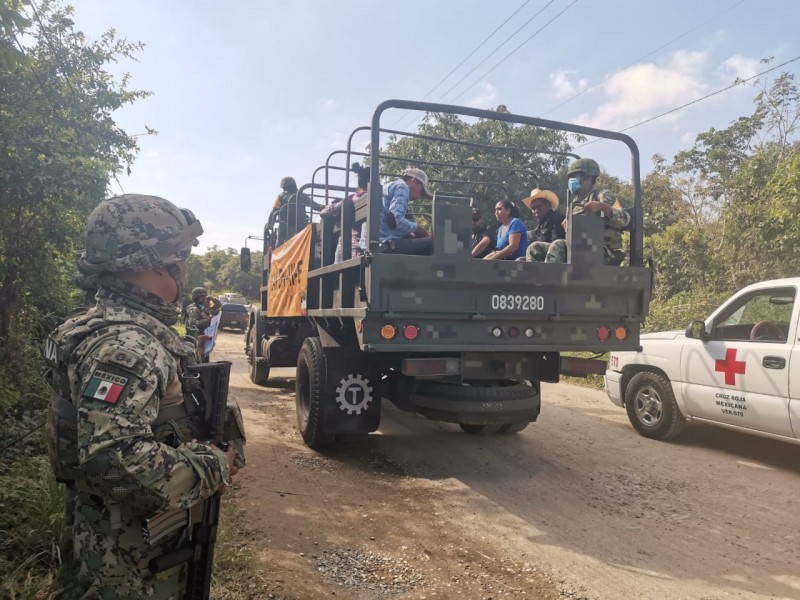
point(198, 318)
point(120, 435)
point(582, 176)
point(292, 208)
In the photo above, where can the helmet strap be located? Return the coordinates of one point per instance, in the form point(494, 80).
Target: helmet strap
point(175, 273)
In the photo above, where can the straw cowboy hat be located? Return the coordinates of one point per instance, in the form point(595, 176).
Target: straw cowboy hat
point(543, 194)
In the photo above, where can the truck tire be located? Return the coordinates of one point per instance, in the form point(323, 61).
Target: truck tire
point(480, 429)
point(259, 369)
point(309, 386)
point(467, 404)
point(510, 428)
point(651, 406)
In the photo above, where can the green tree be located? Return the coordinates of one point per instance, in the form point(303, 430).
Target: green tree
point(59, 148)
point(522, 161)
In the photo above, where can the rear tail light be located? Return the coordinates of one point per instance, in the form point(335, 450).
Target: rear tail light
point(621, 333)
point(388, 332)
point(410, 332)
point(603, 333)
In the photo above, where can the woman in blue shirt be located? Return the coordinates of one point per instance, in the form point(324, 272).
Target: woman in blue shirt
point(512, 239)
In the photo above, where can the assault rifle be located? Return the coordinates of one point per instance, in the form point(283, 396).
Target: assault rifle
point(205, 388)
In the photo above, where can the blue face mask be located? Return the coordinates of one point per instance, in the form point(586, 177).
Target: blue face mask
point(574, 184)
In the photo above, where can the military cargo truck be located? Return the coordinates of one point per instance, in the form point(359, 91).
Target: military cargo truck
point(446, 336)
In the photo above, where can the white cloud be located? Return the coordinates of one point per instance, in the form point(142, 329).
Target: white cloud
point(566, 83)
point(687, 139)
point(486, 96)
point(645, 90)
point(740, 66)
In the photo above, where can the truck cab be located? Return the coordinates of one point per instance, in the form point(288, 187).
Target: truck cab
point(441, 334)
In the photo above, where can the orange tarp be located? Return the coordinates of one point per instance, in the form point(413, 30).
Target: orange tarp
point(288, 277)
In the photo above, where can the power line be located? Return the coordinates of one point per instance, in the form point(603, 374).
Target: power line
point(478, 47)
point(507, 56)
point(677, 108)
point(508, 39)
point(649, 54)
point(458, 66)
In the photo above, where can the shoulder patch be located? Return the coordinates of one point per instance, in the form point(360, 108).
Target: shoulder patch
point(104, 385)
point(123, 357)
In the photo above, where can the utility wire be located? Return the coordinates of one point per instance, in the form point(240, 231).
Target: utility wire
point(458, 66)
point(677, 108)
point(507, 56)
point(478, 47)
point(649, 54)
point(508, 39)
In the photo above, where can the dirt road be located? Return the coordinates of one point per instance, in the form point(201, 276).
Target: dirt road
point(576, 506)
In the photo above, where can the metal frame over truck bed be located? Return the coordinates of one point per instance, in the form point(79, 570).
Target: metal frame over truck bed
point(447, 336)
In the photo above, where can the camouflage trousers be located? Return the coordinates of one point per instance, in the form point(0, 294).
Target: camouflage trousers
point(556, 252)
point(112, 556)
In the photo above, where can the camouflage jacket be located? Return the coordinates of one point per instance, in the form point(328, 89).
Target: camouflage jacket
point(118, 363)
point(197, 319)
point(613, 226)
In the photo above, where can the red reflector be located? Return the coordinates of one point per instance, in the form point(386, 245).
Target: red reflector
point(513, 332)
point(411, 332)
point(603, 333)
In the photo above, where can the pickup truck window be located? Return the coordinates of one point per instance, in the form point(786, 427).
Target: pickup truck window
point(763, 315)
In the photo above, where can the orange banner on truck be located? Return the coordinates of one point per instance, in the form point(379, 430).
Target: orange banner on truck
point(287, 285)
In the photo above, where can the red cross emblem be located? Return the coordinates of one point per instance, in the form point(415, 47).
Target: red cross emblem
point(730, 366)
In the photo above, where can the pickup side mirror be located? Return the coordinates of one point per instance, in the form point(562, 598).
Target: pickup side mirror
point(697, 330)
point(244, 260)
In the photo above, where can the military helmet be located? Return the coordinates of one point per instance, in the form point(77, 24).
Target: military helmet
point(587, 166)
point(199, 291)
point(135, 232)
point(288, 183)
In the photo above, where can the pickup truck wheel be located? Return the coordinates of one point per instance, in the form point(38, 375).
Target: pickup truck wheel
point(480, 429)
point(651, 406)
point(259, 369)
point(514, 427)
point(308, 394)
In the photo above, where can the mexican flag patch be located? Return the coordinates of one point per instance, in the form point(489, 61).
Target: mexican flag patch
point(105, 386)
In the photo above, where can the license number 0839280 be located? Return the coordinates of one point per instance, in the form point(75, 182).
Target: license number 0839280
point(517, 302)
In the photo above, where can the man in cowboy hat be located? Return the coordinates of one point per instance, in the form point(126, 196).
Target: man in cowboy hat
point(549, 228)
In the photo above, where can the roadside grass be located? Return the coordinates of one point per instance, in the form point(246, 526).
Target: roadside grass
point(590, 381)
point(31, 530)
point(236, 573)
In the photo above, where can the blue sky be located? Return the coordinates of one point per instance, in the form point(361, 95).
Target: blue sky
point(247, 92)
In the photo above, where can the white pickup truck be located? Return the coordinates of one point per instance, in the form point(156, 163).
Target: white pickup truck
point(740, 369)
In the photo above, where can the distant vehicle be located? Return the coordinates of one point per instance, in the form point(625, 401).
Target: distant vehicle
point(233, 315)
point(737, 369)
point(233, 298)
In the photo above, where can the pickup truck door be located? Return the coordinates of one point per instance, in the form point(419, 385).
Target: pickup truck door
point(740, 375)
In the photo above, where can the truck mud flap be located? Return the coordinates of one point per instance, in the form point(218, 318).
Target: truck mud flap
point(353, 392)
point(480, 403)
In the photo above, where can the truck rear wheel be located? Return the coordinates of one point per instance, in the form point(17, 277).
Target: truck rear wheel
point(651, 406)
point(259, 369)
point(309, 386)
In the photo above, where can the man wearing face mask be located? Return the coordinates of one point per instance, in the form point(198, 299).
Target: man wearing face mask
point(120, 434)
point(582, 176)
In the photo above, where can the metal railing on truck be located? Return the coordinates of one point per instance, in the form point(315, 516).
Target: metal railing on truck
point(458, 303)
